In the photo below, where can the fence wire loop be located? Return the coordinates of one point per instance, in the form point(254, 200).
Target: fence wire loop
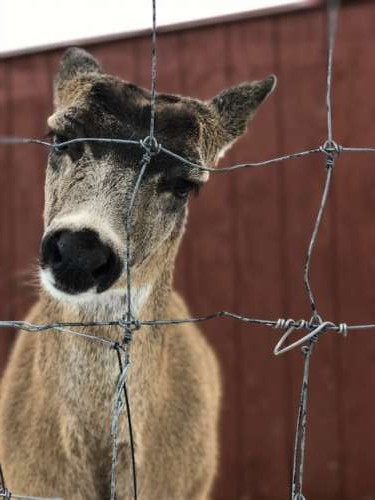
point(316, 330)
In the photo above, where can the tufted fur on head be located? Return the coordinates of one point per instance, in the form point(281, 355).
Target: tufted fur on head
point(222, 120)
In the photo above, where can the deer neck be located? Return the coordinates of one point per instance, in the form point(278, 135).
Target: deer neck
point(150, 301)
point(77, 366)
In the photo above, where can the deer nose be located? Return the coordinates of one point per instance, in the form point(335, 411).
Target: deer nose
point(79, 261)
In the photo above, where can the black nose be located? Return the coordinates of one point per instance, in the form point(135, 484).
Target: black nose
point(79, 261)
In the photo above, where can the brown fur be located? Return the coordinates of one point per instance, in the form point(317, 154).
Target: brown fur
point(57, 392)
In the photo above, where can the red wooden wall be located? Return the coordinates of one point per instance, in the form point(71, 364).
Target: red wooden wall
point(248, 234)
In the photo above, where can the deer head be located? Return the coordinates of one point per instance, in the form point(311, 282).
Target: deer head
point(89, 185)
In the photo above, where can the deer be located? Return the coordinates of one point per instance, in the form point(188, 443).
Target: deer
point(57, 390)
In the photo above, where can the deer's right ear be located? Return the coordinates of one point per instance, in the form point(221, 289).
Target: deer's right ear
point(74, 63)
point(236, 107)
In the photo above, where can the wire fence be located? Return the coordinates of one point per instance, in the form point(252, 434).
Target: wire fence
point(314, 327)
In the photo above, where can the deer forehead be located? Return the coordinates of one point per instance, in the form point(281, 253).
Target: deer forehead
point(121, 106)
point(109, 107)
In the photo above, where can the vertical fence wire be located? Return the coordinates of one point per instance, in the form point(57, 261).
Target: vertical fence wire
point(300, 437)
point(331, 149)
point(149, 145)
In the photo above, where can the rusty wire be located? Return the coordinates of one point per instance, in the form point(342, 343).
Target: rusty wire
point(314, 327)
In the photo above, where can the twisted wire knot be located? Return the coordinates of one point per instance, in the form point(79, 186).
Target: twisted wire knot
point(151, 147)
point(330, 161)
point(315, 321)
point(129, 326)
point(135, 325)
point(313, 340)
point(343, 329)
point(128, 335)
point(123, 323)
point(283, 324)
point(331, 148)
point(132, 324)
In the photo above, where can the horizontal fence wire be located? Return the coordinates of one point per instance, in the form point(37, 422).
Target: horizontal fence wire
point(313, 327)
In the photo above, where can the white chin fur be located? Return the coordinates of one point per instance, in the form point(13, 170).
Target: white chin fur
point(113, 299)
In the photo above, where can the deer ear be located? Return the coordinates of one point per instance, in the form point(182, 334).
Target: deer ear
point(75, 62)
point(236, 106)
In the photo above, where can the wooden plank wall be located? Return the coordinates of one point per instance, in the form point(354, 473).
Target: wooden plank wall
point(248, 233)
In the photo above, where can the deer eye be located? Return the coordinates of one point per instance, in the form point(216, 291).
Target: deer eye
point(60, 139)
point(181, 188)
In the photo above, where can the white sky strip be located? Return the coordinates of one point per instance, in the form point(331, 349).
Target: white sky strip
point(34, 24)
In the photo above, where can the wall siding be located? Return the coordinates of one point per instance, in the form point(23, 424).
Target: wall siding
point(247, 237)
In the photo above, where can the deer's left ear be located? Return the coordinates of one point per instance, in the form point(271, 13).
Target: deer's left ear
point(236, 106)
point(74, 63)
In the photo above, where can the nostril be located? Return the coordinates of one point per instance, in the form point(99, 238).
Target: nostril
point(102, 270)
point(50, 251)
point(55, 256)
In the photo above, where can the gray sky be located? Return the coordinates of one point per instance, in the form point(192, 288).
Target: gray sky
point(26, 24)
